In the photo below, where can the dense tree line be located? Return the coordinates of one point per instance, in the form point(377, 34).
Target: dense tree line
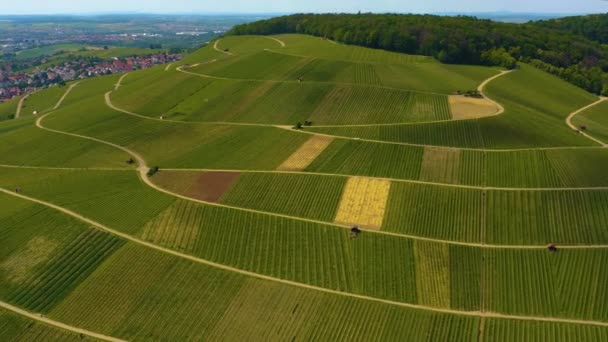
point(593, 27)
point(457, 40)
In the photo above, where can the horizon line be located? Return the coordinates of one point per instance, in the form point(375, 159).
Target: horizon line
point(202, 13)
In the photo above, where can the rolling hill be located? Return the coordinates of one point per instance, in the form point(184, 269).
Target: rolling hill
point(215, 198)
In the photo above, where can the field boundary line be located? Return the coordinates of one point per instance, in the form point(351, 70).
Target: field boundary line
point(573, 114)
point(302, 131)
point(298, 284)
point(412, 181)
point(20, 105)
point(63, 97)
point(424, 60)
point(500, 109)
point(63, 168)
point(142, 169)
point(298, 82)
point(216, 48)
point(57, 324)
point(290, 128)
point(111, 105)
point(276, 40)
point(119, 82)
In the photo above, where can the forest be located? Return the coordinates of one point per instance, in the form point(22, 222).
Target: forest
point(593, 27)
point(558, 49)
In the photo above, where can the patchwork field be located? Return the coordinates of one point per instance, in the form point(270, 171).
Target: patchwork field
point(182, 204)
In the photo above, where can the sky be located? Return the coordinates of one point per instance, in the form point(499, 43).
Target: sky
point(288, 6)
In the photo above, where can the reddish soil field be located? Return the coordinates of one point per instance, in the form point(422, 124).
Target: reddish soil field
point(205, 186)
point(211, 186)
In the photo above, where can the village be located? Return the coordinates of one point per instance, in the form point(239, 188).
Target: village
point(16, 84)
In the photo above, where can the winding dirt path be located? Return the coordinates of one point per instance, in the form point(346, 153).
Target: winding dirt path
point(276, 40)
point(63, 97)
point(143, 169)
point(481, 87)
point(168, 66)
point(20, 105)
point(108, 100)
point(297, 284)
point(216, 48)
point(411, 181)
point(56, 324)
point(119, 82)
point(573, 114)
point(62, 168)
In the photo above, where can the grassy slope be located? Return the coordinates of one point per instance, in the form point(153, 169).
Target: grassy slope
point(327, 82)
point(41, 265)
point(17, 328)
point(8, 109)
point(376, 265)
point(42, 101)
point(21, 143)
point(173, 144)
point(504, 217)
point(529, 121)
point(124, 309)
point(596, 121)
point(552, 168)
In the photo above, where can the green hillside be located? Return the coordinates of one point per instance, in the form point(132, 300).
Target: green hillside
point(181, 203)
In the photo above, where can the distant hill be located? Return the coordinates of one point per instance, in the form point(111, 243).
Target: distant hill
point(456, 40)
point(593, 27)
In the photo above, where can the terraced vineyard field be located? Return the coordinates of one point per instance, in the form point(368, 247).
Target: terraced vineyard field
point(185, 203)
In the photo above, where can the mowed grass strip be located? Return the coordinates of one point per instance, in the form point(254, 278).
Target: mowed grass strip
point(363, 202)
point(306, 154)
point(432, 274)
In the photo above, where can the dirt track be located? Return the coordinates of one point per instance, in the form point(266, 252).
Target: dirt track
point(45, 320)
point(20, 106)
point(297, 284)
point(67, 92)
point(573, 114)
point(220, 50)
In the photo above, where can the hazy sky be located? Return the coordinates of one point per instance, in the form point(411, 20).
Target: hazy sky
point(198, 6)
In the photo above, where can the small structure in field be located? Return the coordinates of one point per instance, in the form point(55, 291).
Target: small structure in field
point(35, 112)
point(355, 231)
point(153, 171)
point(18, 190)
point(298, 125)
point(308, 123)
point(552, 248)
point(583, 128)
point(162, 117)
point(130, 161)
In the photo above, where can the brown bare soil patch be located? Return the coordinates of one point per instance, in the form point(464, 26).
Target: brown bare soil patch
point(463, 107)
point(208, 186)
